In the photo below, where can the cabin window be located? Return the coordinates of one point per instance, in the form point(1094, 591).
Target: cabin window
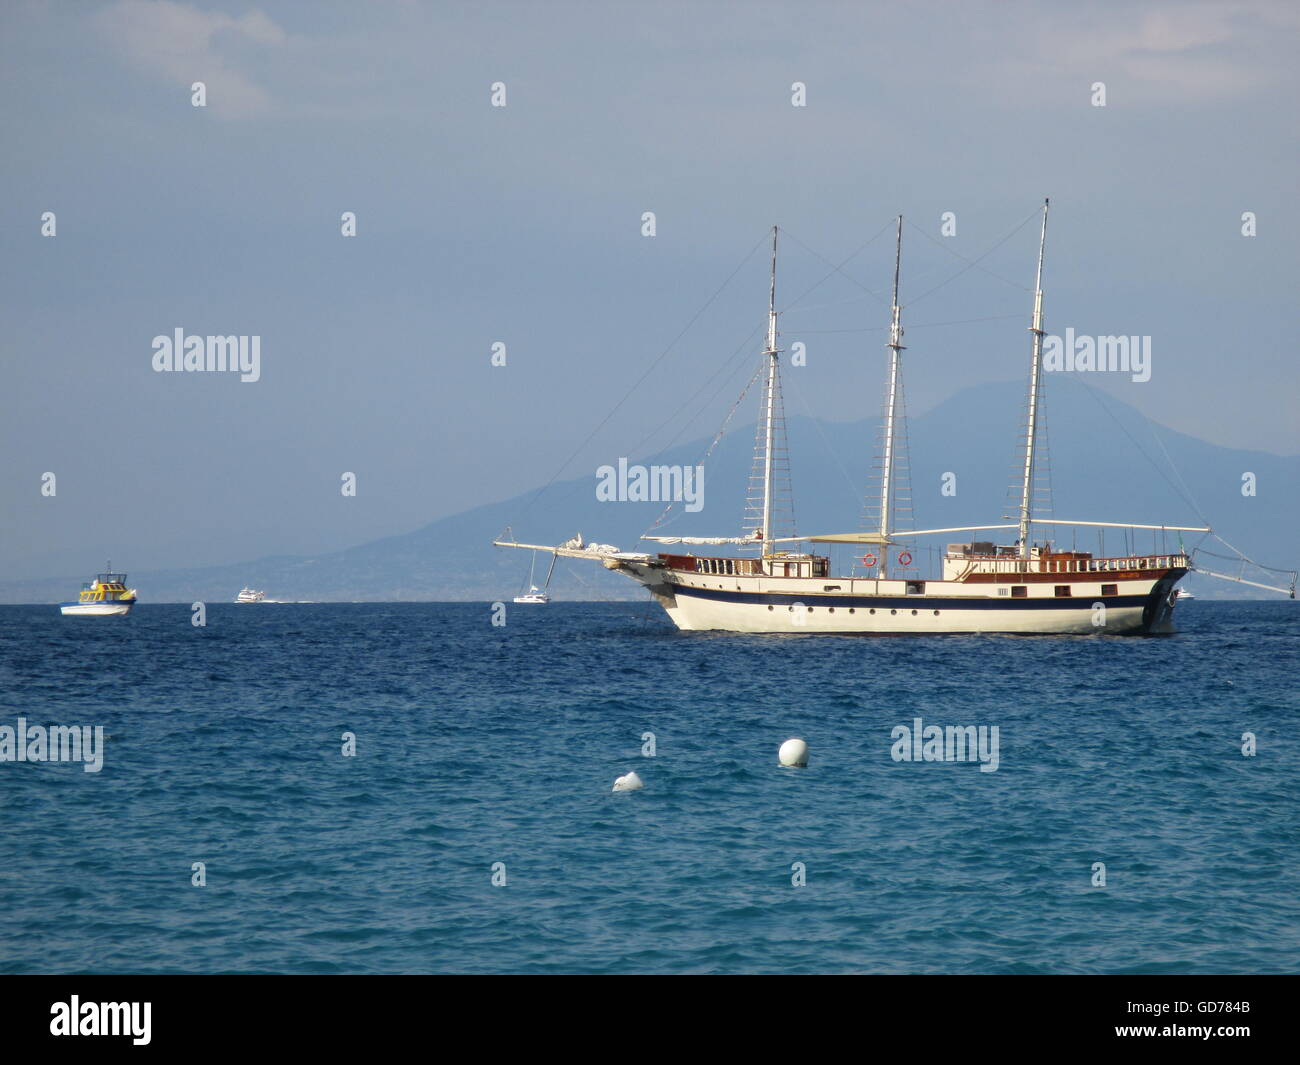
point(1062, 591)
point(830, 587)
point(916, 587)
point(1019, 591)
point(1110, 589)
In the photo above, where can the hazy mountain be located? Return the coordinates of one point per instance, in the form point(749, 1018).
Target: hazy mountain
point(1108, 464)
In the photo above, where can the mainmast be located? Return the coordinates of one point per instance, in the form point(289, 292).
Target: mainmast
point(769, 413)
point(891, 410)
point(1035, 384)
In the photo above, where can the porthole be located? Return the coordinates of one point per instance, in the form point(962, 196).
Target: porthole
point(893, 611)
point(832, 610)
point(873, 609)
point(769, 607)
point(913, 613)
point(851, 610)
point(936, 613)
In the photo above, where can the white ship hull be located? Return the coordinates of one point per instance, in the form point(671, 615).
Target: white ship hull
point(95, 609)
point(783, 605)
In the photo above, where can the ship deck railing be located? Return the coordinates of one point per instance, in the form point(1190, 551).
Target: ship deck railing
point(1065, 564)
point(731, 566)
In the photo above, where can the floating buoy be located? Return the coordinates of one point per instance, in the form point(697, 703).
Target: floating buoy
point(794, 753)
point(628, 783)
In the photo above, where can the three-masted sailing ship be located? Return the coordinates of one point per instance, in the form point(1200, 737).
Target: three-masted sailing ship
point(1027, 586)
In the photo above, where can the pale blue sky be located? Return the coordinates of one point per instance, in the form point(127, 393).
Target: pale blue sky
point(522, 225)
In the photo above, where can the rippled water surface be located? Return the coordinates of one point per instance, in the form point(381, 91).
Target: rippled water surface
point(477, 745)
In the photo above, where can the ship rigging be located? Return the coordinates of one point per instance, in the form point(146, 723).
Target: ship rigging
point(1029, 586)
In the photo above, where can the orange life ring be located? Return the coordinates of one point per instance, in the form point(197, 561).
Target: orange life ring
point(905, 559)
point(868, 560)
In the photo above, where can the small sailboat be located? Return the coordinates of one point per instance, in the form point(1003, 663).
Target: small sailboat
point(107, 595)
point(534, 594)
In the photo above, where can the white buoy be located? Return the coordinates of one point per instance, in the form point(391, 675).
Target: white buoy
point(794, 753)
point(628, 783)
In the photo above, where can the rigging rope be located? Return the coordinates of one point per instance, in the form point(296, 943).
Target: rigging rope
point(837, 269)
point(721, 432)
point(853, 487)
point(976, 261)
point(641, 380)
point(1240, 556)
point(923, 325)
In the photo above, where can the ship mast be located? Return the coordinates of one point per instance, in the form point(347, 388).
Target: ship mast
point(769, 412)
point(891, 410)
point(1035, 385)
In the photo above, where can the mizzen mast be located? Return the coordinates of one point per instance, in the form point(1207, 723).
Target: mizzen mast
point(769, 506)
point(769, 407)
point(1035, 389)
point(891, 411)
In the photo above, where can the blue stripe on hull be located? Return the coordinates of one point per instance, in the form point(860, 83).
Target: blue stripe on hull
point(910, 602)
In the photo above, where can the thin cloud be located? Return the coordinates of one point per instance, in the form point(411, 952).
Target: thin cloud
point(183, 44)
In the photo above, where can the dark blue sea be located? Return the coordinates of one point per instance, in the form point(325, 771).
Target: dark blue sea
point(477, 745)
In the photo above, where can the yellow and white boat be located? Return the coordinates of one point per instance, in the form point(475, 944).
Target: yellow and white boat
point(106, 595)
